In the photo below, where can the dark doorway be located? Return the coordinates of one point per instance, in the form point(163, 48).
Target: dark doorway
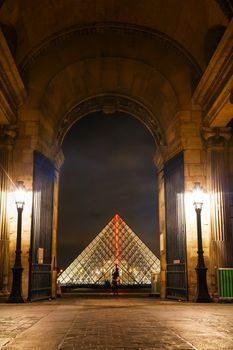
point(175, 229)
point(40, 274)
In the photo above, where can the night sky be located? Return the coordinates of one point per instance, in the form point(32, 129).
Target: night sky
point(108, 169)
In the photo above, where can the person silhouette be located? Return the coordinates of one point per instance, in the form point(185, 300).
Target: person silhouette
point(115, 280)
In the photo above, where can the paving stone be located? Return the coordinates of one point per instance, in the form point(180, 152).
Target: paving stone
point(4, 341)
point(125, 330)
point(116, 323)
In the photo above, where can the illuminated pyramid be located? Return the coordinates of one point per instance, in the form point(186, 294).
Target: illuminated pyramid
point(115, 245)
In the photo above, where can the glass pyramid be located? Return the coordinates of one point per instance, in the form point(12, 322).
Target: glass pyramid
point(116, 245)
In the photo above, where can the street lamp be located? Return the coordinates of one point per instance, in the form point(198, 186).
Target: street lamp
point(16, 290)
point(202, 295)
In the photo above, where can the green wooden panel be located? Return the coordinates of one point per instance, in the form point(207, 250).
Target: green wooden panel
point(225, 283)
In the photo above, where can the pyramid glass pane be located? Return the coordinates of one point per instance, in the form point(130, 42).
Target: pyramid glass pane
point(115, 245)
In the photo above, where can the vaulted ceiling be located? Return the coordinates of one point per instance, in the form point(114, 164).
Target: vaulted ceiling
point(152, 51)
point(187, 22)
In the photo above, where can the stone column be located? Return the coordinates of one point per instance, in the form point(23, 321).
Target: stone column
point(58, 160)
point(218, 183)
point(7, 136)
point(159, 162)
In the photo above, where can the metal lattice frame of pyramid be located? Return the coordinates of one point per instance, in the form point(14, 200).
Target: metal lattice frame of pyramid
point(115, 245)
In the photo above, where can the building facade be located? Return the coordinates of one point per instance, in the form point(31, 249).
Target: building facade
point(168, 64)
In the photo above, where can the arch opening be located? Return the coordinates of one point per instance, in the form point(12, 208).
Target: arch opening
point(108, 170)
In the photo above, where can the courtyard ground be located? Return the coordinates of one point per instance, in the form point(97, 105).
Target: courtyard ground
point(115, 322)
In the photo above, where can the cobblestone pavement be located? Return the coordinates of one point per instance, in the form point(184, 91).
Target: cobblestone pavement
point(10, 327)
point(116, 323)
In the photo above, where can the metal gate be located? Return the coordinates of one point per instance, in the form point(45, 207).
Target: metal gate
point(40, 274)
point(175, 229)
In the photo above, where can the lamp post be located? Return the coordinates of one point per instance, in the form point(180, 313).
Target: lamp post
point(16, 290)
point(202, 294)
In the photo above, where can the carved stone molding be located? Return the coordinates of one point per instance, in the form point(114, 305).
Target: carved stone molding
point(124, 29)
point(160, 157)
point(213, 92)
point(8, 135)
point(58, 158)
point(109, 104)
point(12, 91)
point(216, 136)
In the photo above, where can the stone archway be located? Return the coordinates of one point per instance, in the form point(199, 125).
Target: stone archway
point(148, 63)
point(110, 103)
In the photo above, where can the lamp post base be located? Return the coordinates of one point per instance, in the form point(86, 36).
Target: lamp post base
point(15, 299)
point(16, 294)
point(202, 295)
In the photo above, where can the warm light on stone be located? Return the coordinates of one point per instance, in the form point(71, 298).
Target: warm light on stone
point(140, 60)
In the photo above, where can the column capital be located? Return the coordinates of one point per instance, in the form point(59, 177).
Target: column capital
point(8, 135)
point(216, 136)
point(58, 157)
point(159, 157)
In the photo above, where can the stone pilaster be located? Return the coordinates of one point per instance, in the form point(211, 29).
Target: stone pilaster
point(218, 182)
point(13, 93)
point(162, 225)
point(7, 136)
point(58, 160)
point(159, 162)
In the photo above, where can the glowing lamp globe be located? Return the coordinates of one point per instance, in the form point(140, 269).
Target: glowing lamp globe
point(20, 195)
point(197, 195)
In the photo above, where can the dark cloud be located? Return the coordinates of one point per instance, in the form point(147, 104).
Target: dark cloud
point(108, 169)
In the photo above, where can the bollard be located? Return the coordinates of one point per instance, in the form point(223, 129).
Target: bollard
point(155, 284)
